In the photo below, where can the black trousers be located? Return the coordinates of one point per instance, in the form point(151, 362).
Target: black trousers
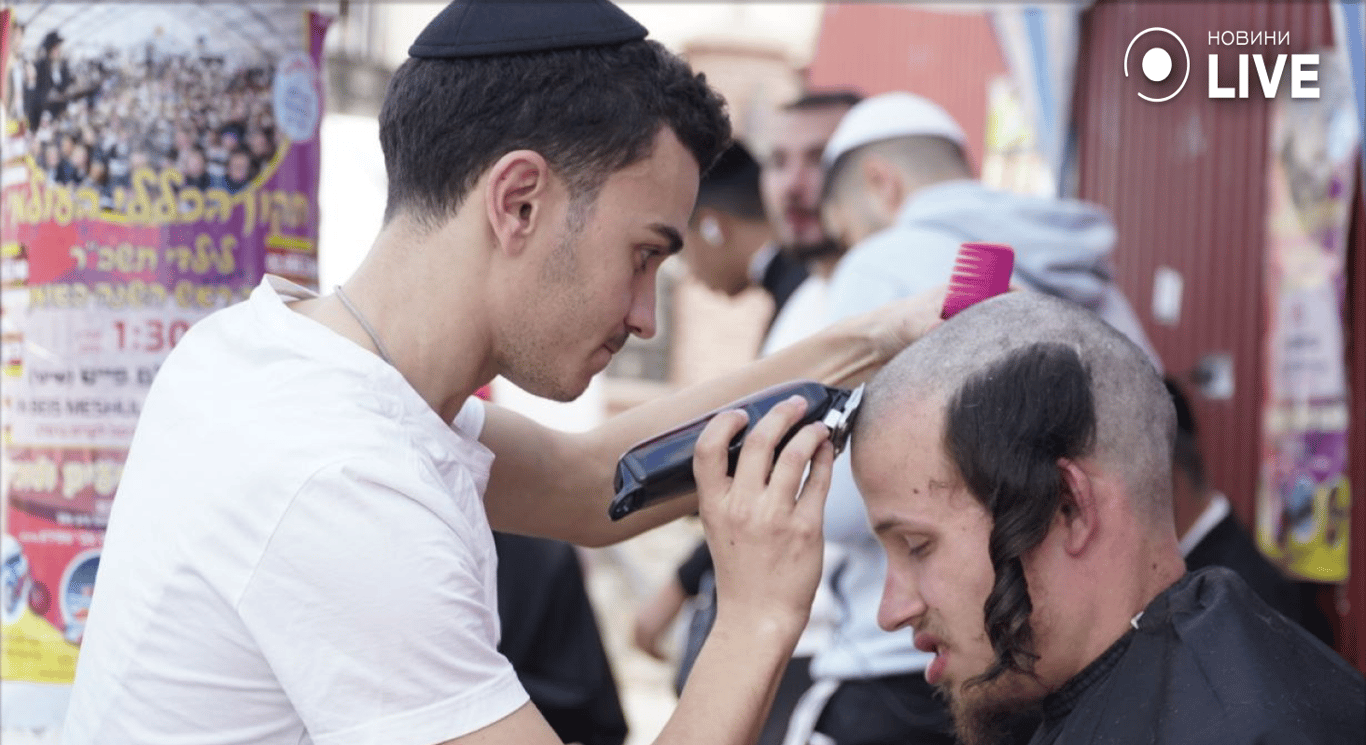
point(895, 710)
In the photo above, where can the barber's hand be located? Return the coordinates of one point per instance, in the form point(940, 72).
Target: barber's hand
point(901, 323)
point(765, 537)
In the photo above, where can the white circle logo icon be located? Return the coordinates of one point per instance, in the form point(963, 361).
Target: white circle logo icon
point(1157, 64)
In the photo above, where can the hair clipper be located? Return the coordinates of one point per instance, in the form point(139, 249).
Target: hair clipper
point(660, 468)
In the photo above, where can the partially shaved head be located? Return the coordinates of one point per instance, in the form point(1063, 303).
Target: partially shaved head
point(1023, 381)
point(1134, 422)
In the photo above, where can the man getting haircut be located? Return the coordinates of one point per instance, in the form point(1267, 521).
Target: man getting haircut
point(1016, 465)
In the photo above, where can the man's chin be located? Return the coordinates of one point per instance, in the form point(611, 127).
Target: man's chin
point(567, 392)
point(563, 391)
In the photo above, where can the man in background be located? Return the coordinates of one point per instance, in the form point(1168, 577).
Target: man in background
point(729, 245)
point(729, 248)
point(792, 176)
point(900, 193)
point(758, 222)
point(791, 184)
point(1212, 536)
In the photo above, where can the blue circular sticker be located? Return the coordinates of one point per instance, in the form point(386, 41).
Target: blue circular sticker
point(298, 102)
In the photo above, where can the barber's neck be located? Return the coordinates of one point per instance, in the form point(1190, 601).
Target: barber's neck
point(421, 291)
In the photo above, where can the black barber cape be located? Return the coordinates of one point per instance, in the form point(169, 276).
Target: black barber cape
point(1209, 662)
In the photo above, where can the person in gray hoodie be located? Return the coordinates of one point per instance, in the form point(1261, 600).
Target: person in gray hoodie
point(899, 193)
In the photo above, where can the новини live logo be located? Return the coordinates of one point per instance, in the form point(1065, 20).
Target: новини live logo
point(1156, 65)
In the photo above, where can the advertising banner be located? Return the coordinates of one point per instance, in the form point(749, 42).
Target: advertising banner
point(157, 159)
point(1304, 498)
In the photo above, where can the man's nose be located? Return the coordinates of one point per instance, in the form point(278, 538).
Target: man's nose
point(806, 184)
point(901, 603)
point(641, 318)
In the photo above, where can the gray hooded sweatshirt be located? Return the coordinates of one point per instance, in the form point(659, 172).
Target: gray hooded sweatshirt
point(1062, 247)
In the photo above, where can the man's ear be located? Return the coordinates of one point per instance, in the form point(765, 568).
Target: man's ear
point(1079, 514)
point(884, 184)
point(514, 197)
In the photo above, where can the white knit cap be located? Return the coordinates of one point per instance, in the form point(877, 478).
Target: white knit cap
point(887, 116)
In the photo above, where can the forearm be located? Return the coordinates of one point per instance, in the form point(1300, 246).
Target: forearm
point(763, 525)
point(731, 686)
point(558, 485)
point(842, 353)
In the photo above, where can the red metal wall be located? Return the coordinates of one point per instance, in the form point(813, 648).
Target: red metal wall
point(878, 48)
point(1185, 181)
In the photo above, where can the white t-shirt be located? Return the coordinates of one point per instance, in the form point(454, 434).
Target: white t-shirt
point(298, 553)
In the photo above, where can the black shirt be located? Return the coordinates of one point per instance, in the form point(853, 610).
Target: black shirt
point(550, 635)
point(1210, 662)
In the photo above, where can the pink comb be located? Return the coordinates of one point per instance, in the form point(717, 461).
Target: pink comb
point(982, 270)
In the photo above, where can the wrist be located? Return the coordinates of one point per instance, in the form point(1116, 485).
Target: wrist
point(864, 344)
point(769, 624)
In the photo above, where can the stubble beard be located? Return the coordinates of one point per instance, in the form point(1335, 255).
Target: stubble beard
point(808, 252)
point(532, 363)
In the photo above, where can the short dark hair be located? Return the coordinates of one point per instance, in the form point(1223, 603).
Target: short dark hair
point(590, 111)
point(820, 99)
point(1005, 430)
point(1186, 449)
point(732, 185)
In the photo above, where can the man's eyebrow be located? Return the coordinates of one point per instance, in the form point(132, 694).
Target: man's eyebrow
point(893, 523)
point(670, 234)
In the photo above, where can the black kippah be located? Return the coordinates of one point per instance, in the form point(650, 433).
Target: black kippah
point(474, 28)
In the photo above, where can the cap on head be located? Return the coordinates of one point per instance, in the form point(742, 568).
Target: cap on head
point(52, 39)
point(888, 116)
point(475, 28)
